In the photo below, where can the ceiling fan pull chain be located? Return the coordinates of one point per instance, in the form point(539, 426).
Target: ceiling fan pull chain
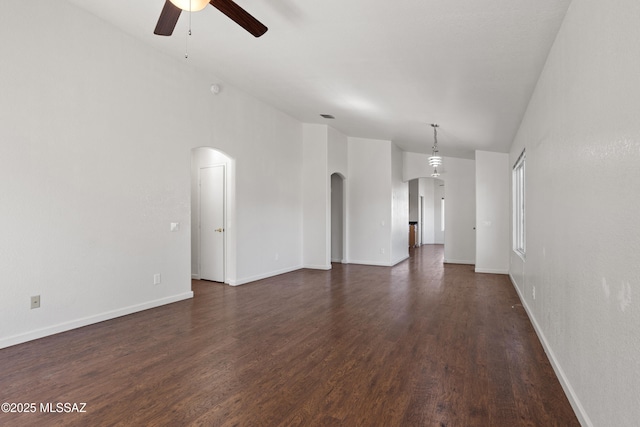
point(190, 12)
point(186, 45)
point(186, 42)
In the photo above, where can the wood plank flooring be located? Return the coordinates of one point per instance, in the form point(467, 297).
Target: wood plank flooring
point(418, 344)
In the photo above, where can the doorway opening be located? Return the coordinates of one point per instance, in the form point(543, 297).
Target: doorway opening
point(212, 201)
point(426, 212)
point(338, 251)
point(420, 220)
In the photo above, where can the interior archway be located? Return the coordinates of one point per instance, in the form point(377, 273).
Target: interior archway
point(338, 250)
point(203, 158)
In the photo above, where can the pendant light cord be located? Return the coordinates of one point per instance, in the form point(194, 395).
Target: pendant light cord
point(435, 138)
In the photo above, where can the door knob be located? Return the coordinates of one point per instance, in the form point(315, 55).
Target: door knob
point(219, 230)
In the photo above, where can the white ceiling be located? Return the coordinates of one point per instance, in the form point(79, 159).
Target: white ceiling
point(385, 69)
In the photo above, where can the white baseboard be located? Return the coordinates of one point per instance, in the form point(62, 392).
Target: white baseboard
point(373, 263)
point(250, 279)
point(399, 260)
point(491, 271)
point(195, 276)
point(459, 261)
point(78, 323)
point(579, 410)
point(318, 267)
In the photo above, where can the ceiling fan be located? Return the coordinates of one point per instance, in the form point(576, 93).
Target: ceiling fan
point(172, 9)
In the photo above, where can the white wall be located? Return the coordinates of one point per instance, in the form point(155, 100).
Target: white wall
point(582, 138)
point(399, 209)
point(439, 192)
point(267, 146)
point(316, 196)
point(337, 157)
point(427, 191)
point(95, 165)
point(459, 178)
point(416, 208)
point(492, 212)
point(372, 193)
point(370, 196)
point(460, 208)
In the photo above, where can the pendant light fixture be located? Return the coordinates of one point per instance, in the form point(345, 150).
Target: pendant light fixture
point(435, 160)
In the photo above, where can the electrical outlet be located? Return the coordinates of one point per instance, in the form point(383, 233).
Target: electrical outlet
point(157, 279)
point(534, 292)
point(35, 301)
point(382, 250)
point(277, 256)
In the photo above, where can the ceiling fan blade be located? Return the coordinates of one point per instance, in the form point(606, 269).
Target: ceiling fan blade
point(240, 16)
point(168, 19)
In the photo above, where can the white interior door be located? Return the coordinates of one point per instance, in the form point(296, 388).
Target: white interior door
point(212, 223)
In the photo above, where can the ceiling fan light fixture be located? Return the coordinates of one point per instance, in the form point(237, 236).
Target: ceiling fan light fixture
point(190, 5)
point(173, 8)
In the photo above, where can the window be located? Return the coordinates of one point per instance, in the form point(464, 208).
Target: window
point(519, 241)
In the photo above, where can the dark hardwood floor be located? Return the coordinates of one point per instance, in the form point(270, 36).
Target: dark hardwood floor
point(419, 344)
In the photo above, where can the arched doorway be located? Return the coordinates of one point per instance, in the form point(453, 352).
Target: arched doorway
point(338, 251)
point(212, 209)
